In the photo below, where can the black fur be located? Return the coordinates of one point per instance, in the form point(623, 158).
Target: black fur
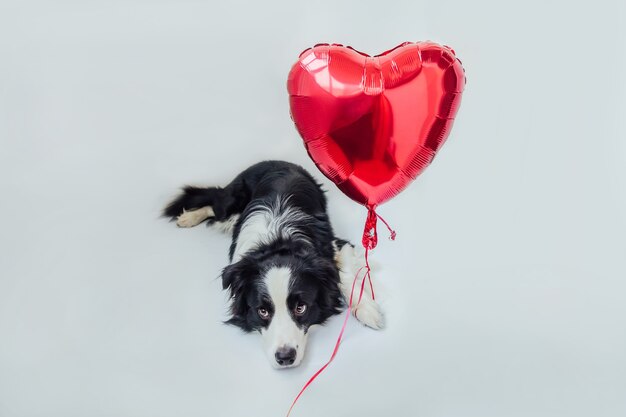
point(307, 251)
point(314, 282)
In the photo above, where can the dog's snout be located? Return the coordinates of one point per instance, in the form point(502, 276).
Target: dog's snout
point(285, 356)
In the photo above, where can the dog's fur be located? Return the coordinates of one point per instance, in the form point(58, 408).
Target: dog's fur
point(287, 270)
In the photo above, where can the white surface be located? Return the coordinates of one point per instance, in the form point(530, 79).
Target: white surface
point(505, 291)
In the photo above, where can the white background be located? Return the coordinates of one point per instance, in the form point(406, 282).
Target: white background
point(504, 292)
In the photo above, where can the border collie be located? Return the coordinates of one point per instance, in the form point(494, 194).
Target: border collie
point(287, 270)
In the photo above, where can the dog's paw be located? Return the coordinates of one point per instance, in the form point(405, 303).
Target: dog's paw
point(194, 217)
point(369, 313)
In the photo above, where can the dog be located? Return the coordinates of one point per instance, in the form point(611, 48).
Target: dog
point(287, 269)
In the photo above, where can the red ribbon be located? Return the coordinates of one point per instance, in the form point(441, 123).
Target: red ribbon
point(369, 240)
point(370, 234)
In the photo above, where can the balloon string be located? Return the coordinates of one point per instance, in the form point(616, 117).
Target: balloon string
point(370, 239)
point(370, 233)
point(369, 277)
point(343, 328)
point(392, 233)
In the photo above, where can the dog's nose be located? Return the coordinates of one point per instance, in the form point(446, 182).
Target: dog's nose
point(286, 356)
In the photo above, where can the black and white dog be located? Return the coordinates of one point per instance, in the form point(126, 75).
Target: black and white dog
point(287, 270)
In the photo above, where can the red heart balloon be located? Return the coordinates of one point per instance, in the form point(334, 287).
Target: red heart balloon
point(373, 124)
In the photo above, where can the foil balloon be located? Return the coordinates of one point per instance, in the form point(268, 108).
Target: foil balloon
point(372, 124)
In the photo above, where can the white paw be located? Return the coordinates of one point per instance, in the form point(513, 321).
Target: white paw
point(194, 217)
point(368, 312)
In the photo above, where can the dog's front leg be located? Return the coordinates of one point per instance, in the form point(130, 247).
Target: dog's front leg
point(367, 311)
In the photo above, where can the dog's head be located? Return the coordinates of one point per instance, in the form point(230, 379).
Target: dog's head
point(281, 292)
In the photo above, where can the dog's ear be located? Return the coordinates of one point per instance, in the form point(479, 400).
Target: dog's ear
point(237, 278)
point(229, 275)
point(234, 276)
point(325, 272)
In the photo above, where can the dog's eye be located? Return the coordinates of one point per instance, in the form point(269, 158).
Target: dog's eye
point(264, 313)
point(300, 309)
